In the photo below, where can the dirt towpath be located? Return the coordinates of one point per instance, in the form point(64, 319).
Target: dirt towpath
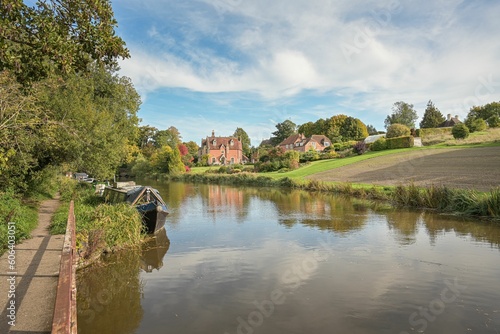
point(473, 168)
point(36, 272)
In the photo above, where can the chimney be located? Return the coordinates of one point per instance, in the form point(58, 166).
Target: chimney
point(456, 116)
point(449, 117)
point(213, 133)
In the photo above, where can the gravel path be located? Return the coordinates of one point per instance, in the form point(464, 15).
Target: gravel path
point(37, 272)
point(475, 168)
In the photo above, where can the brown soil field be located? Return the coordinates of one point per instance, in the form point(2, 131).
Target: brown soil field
point(473, 168)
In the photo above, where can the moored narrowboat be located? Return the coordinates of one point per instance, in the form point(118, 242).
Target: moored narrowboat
point(146, 199)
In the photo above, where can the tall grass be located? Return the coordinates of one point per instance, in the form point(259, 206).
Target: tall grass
point(100, 227)
point(23, 213)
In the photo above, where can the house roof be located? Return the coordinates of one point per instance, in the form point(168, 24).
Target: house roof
point(450, 122)
point(292, 139)
point(373, 138)
point(320, 139)
point(222, 141)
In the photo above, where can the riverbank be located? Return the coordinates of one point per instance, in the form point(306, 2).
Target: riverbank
point(100, 228)
point(460, 180)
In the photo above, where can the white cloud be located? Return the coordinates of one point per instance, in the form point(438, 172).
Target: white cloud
point(276, 49)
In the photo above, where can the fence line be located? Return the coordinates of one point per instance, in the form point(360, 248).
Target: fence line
point(64, 320)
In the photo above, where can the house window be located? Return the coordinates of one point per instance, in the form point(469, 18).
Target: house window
point(213, 161)
point(232, 161)
point(214, 142)
point(231, 142)
point(326, 144)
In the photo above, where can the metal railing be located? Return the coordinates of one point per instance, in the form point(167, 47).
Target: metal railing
point(64, 320)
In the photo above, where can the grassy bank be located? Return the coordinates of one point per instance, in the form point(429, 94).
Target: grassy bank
point(441, 199)
point(22, 209)
point(100, 227)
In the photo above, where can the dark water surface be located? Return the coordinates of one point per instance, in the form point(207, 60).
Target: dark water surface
point(252, 260)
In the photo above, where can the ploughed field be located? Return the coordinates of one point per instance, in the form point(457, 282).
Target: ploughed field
point(475, 168)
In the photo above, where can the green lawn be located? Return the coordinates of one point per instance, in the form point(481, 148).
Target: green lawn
point(324, 165)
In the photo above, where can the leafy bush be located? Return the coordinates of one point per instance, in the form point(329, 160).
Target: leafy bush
point(399, 142)
point(379, 145)
point(397, 130)
point(328, 154)
point(360, 147)
point(476, 125)
point(460, 131)
point(493, 121)
point(311, 155)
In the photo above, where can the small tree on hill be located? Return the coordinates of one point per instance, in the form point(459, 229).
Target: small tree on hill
point(397, 130)
point(460, 131)
point(402, 113)
point(432, 117)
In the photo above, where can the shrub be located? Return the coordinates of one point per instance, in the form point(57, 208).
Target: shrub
point(379, 145)
point(476, 125)
point(493, 121)
point(360, 147)
point(399, 142)
point(310, 155)
point(328, 155)
point(397, 130)
point(460, 131)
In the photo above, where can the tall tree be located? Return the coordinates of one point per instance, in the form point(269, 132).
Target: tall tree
point(307, 129)
point(57, 36)
point(371, 129)
point(432, 117)
point(353, 129)
point(402, 113)
point(284, 130)
point(170, 137)
point(245, 140)
point(484, 112)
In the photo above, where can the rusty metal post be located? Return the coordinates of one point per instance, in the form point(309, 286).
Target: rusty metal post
point(64, 320)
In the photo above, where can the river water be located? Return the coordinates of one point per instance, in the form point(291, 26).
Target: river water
point(257, 260)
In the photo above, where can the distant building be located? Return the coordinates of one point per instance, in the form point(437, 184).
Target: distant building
point(222, 150)
point(301, 143)
point(450, 121)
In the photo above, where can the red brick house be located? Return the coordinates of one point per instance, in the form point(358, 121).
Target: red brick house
point(301, 143)
point(222, 150)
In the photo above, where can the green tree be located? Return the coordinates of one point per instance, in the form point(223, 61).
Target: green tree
point(432, 117)
point(284, 130)
point(307, 129)
point(485, 111)
point(167, 160)
point(460, 131)
point(493, 121)
point(57, 36)
point(371, 130)
point(245, 140)
point(476, 124)
point(353, 129)
point(170, 137)
point(397, 130)
point(91, 121)
point(402, 113)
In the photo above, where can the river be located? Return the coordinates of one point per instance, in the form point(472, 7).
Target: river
point(257, 260)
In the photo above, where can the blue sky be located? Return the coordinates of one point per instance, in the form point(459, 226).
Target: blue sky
point(203, 65)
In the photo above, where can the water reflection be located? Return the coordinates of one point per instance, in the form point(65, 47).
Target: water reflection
point(154, 250)
point(108, 293)
point(342, 265)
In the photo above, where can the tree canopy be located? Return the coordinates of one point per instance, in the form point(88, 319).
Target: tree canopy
point(338, 128)
point(58, 37)
point(284, 130)
point(432, 117)
point(402, 113)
